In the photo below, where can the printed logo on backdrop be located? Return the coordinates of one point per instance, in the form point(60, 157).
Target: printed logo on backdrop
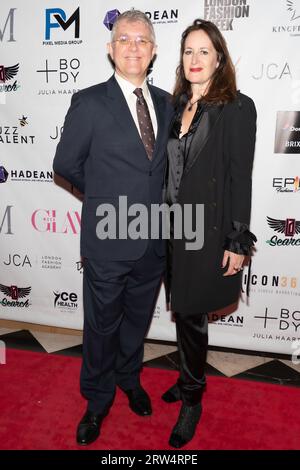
point(7, 29)
point(286, 184)
point(28, 176)
point(276, 71)
point(14, 133)
point(57, 24)
point(3, 174)
point(57, 132)
point(13, 294)
point(23, 121)
point(8, 73)
point(42, 261)
point(110, 18)
point(292, 13)
point(79, 266)
point(163, 16)
point(156, 17)
point(53, 221)
point(65, 301)
point(284, 323)
point(273, 284)
point(18, 261)
point(287, 136)
point(294, 7)
point(64, 72)
point(235, 320)
point(157, 312)
point(51, 262)
point(5, 221)
point(288, 227)
point(224, 12)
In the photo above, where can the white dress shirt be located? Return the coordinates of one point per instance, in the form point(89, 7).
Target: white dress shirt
point(128, 89)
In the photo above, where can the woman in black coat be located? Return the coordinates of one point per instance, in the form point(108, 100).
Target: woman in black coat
point(210, 157)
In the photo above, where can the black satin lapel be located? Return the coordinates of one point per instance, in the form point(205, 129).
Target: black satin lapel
point(159, 107)
point(208, 120)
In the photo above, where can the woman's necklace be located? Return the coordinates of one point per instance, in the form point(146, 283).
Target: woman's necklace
point(192, 104)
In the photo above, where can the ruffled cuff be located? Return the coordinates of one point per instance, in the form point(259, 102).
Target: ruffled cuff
point(240, 240)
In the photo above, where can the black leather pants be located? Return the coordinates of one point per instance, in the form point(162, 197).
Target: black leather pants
point(192, 337)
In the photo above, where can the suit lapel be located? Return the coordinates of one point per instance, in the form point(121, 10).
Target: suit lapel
point(117, 105)
point(159, 107)
point(207, 123)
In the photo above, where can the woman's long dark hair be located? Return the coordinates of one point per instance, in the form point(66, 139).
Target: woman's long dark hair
point(222, 88)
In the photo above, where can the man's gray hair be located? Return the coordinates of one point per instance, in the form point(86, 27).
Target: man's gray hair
point(132, 16)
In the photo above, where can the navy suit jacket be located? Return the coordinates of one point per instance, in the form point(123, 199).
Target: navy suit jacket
point(101, 153)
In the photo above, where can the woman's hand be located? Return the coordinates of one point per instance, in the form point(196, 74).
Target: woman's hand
point(235, 262)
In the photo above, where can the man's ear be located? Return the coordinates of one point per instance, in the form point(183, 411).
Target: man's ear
point(109, 49)
point(154, 51)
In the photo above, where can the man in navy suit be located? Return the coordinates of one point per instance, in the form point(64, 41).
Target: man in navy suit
point(104, 153)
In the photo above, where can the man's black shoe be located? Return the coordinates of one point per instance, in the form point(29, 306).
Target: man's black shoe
point(172, 394)
point(139, 401)
point(89, 428)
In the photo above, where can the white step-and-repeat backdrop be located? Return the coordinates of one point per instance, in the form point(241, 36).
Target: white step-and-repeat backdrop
point(50, 49)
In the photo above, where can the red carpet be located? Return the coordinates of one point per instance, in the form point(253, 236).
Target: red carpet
point(40, 406)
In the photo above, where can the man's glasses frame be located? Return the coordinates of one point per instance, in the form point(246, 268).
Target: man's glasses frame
point(139, 41)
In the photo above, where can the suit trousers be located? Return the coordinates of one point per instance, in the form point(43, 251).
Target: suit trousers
point(192, 338)
point(119, 298)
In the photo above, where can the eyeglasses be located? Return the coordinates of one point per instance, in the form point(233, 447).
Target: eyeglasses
point(139, 41)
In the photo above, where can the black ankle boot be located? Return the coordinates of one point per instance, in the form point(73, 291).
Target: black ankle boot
point(186, 425)
point(172, 395)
